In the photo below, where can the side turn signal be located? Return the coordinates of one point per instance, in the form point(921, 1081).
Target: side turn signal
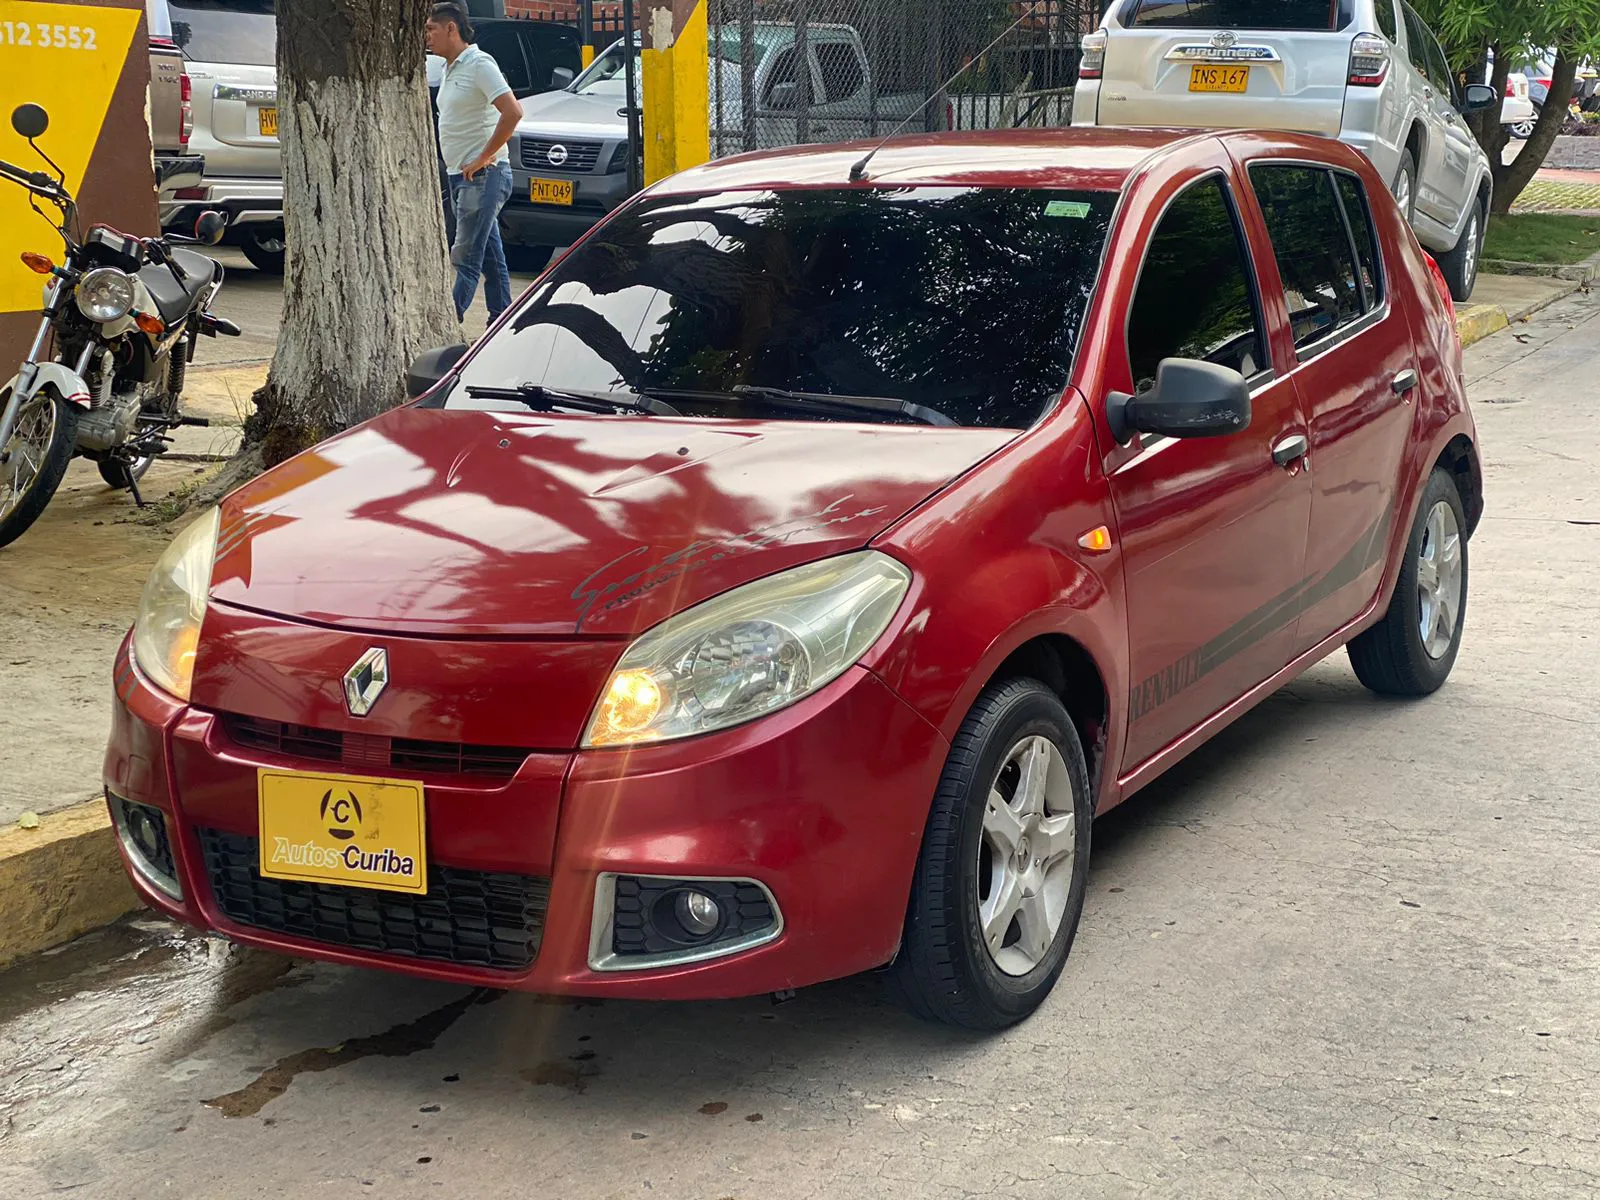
point(39, 264)
point(150, 323)
point(1097, 541)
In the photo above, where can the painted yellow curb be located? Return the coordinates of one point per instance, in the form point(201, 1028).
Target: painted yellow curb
point(60, 880)
point(1477, 321)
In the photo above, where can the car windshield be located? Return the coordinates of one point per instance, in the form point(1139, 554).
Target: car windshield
point(964, 301)
point(242, 32)
point(1241, 14)
point(605, 77)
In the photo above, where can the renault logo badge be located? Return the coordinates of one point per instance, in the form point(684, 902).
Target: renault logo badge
point(364, 682)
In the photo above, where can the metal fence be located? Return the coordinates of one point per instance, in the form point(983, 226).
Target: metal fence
point(794, 72)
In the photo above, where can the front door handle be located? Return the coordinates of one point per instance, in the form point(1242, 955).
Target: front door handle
point(1291, 450)
point(1404, 382)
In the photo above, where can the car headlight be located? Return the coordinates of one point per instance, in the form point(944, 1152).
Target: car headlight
point(757, 649)
point(166, 631)
point(105, 294)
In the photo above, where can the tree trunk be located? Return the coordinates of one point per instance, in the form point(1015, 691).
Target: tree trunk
point(1510, 180)
point(367, 285)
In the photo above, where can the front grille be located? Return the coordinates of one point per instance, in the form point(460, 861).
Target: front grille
point(406, 754)
point(472, 918)
point(581, 156)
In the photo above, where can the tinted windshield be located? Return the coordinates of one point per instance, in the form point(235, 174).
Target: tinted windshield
point(226, 31)
point(968, 301)
point(605, 77)
point(1240, 14)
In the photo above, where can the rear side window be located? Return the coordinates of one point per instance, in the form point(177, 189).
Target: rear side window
point(1386, 22)
point(1354, 198)
point(501, 43)
point(1195, 297)
point(1314, 244)
point(1417, 42)
point(1239, 14)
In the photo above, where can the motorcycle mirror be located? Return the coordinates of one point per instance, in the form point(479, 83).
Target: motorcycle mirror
point(210, 227)
point(30, 121)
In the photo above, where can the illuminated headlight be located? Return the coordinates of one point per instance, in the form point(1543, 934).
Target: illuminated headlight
point(166, 631)
point(105, 294)
point(760, 648)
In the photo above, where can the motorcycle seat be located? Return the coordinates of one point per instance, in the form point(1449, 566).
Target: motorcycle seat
point(173, 300)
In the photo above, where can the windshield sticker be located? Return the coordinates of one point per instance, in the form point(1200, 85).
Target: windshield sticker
point(1076, 209)
point(595, 591)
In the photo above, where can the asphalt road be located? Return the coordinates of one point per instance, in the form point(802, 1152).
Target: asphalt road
point(1347, 950)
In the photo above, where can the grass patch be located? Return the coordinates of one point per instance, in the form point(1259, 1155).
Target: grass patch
point(1542, 238)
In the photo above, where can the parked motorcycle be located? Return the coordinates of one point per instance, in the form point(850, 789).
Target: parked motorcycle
point(104, 377)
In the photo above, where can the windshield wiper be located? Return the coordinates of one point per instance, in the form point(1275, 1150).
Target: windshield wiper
point(547, 399)
point(813, 401)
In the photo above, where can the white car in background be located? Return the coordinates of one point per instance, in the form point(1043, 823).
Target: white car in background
point(1368, 72)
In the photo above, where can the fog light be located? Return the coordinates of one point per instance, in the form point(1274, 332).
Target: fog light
point(698, 913)
point(144, 833)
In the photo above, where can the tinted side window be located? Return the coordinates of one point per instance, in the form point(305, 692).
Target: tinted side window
point(503, 45)
point(1312, 244)
point(842, 76)
point(1416, 40)
point(1354, 197)
point(1386, 21)
point(1195, 298)
point(1439, 68)
point(785, 69)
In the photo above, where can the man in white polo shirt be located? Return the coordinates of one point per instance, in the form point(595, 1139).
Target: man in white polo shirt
point(477, 116)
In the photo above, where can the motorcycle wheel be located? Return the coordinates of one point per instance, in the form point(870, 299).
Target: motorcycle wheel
point(122, 474)
point(36, 458)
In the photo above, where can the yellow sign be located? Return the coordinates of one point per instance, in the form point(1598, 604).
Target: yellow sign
point(343, 829)
point(268, 122)
point(67, 58)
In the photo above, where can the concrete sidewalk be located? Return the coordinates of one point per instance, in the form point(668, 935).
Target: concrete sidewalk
point(1500, 300)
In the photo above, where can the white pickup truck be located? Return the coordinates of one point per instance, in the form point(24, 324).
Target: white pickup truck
point(569, 155)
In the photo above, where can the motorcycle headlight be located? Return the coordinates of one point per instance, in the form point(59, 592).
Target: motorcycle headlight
point(751, 652)
point(166, 631)
point(105, 294)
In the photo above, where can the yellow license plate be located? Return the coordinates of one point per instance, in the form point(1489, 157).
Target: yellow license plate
point(268, 118)
point(343, 829)
point(1218, 79)
point(550, 191)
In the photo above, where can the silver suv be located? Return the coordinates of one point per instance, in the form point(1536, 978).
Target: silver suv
point(1368, 72)
point(230, 51)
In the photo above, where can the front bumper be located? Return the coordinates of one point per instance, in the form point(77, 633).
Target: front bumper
point(527, 224)
point(820, 807)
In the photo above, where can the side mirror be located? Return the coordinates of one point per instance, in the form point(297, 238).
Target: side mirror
point(1478, 96)
point(431, 366)
point(209, 227)
point(30, 121)
point(785, 97)
point(1191, 399)
point(562, 77)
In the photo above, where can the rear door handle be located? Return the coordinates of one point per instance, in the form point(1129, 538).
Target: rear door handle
point(1292, 449)
point(1404, 382)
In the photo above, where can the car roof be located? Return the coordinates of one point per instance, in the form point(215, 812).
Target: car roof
point(1088, 159)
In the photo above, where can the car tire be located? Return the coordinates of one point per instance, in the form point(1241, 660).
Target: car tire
point(528, 260)
point(1405, 185)
point(1394, 657)
point(265, 249)
point(50, 426)
point(1460, 264)
point(1523, 130)
point(1015, 777)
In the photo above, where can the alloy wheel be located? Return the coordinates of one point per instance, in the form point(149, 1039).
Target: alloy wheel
point(1402, 193)
point(1439, 581)
point(1025, 856)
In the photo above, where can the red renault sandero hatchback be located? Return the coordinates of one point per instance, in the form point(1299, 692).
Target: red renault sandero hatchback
point(785, 583)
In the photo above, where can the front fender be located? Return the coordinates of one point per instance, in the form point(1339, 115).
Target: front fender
point(67, 383)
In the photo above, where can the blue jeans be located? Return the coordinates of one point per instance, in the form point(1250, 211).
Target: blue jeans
point(478, 253)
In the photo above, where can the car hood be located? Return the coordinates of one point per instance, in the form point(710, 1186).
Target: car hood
point(564, 114)
point(428, 521)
